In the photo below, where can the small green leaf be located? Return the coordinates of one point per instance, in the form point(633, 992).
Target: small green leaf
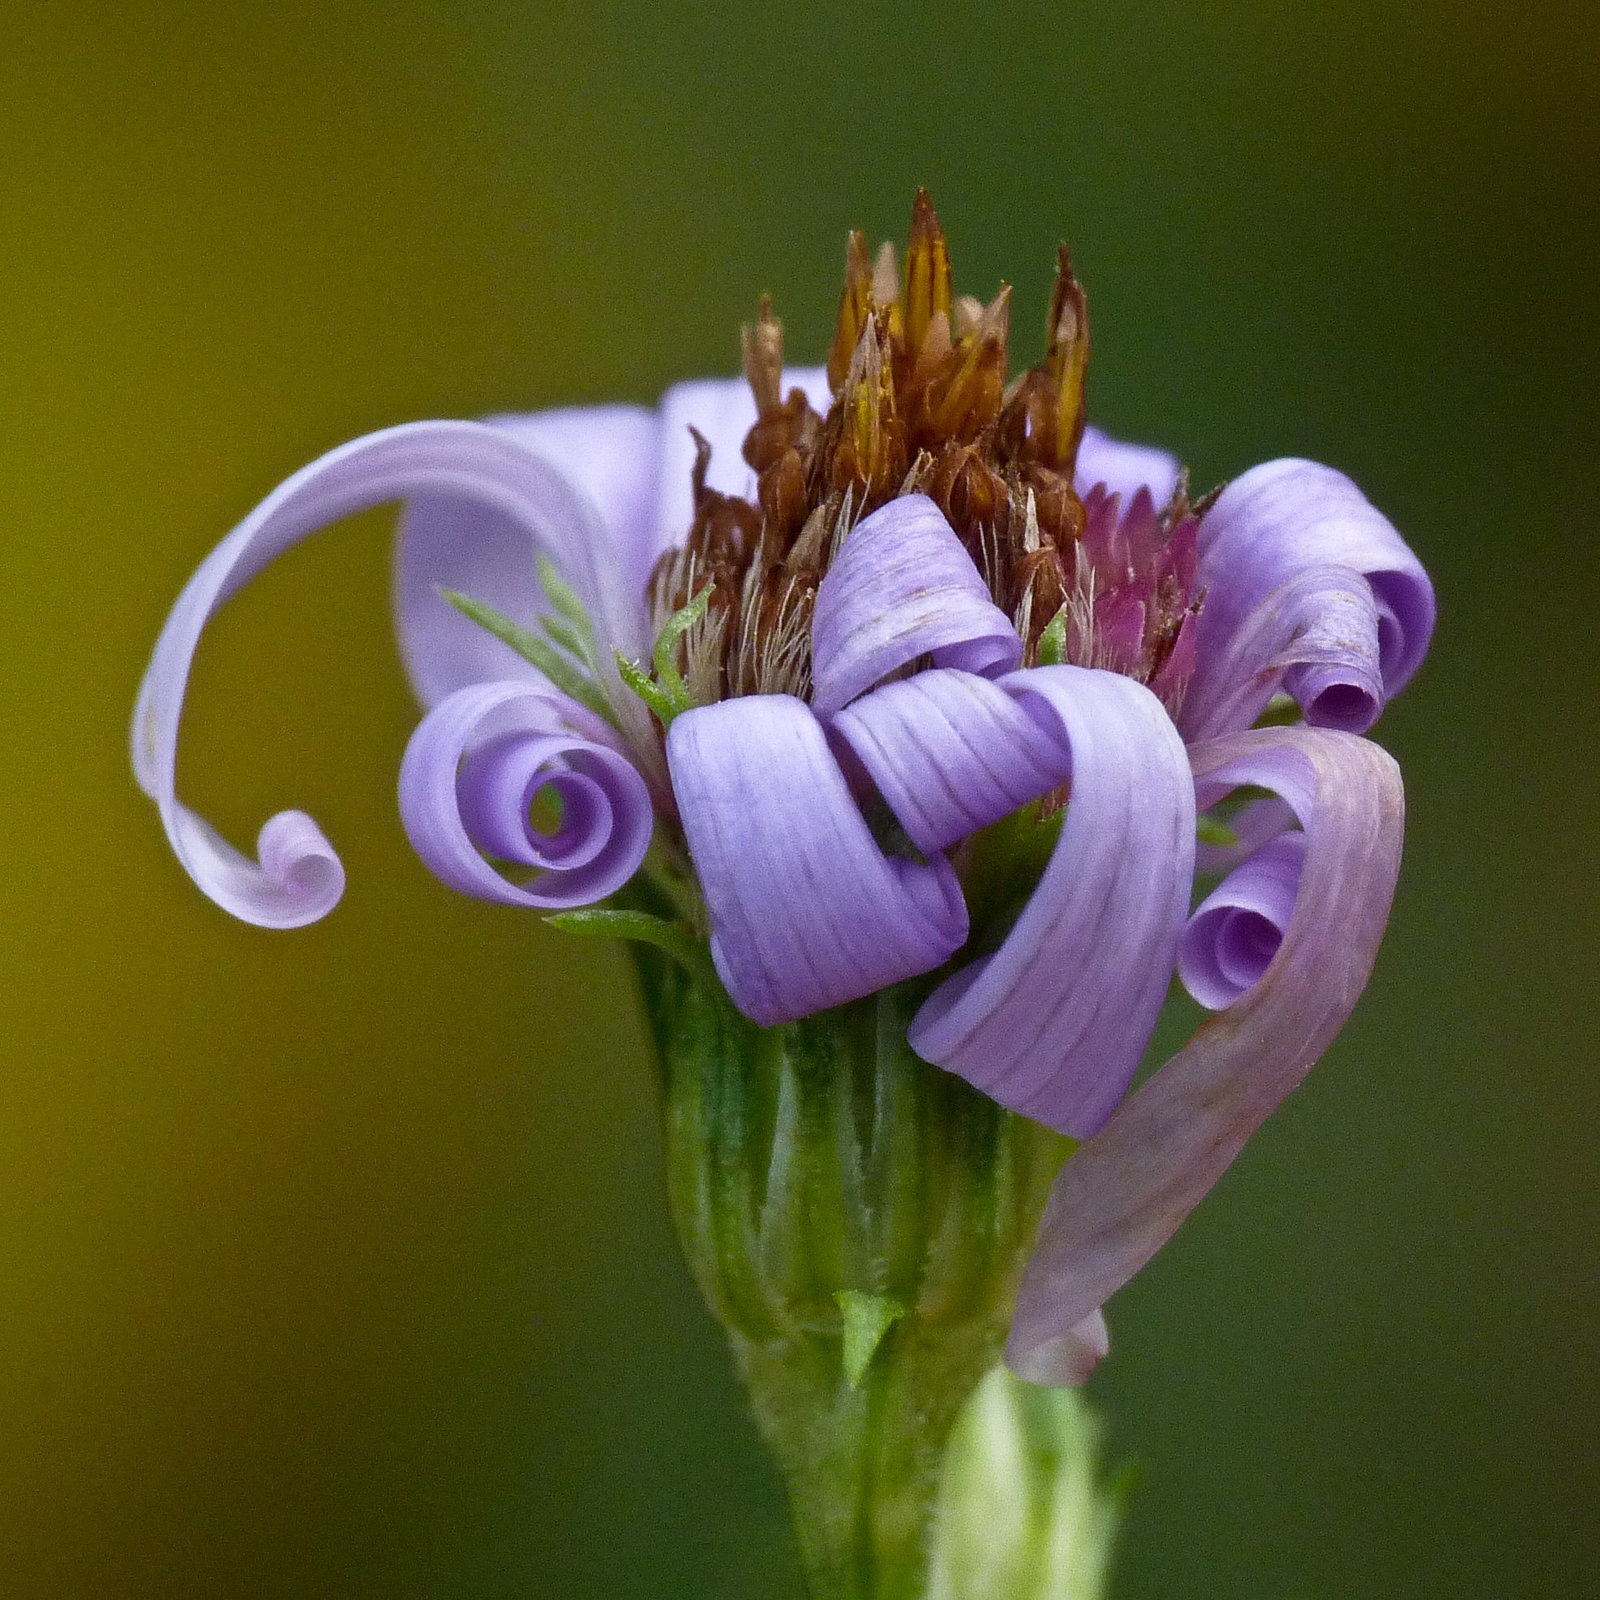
point(1207, 830)
point(638, 680)
point(1053, 641)
point(675, 938)
point(566, 636)
point(563, 672)
point(678, 624)
point(867, 1318)
point(568, 604)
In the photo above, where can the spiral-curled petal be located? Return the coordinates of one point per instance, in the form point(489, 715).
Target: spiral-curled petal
point(951, 752)
point(806, 911)
point(1124, 1194)
point(1054, 1022)
point(903, 586)
point(1268, 550)
point(298, 879)
point(471, 773)
point(1237, 929)
point(1316, 635)
point(1123, 468)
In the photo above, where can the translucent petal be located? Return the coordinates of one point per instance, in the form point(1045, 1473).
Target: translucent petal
point(1124, 1194)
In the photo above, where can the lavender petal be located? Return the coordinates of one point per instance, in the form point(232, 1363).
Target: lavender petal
point(951, 752)
point(1054, 1022)
point(613, 454)
point(1238, 928)
point(1316, 634)
point(1269, 528)
point(472, 771)
point(297, 878)
point(806, 911)
point(1065, 1360)
point(1124, 468)
point(1124, 1194)
point(902, 586)
point(479, 517)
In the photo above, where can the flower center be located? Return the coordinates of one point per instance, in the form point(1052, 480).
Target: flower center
point(921, 405)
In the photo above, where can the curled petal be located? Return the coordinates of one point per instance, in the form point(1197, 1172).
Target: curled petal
point(1236, 931)
point(298, 878)
point(806, 911)
point(722, 411)
point(1122, 1196)
point(1253, 826)
point(472, 771)
point(1124, 469)
point(1316, 634)
point(1054, 1022)
point(950, 753)
point(1271, 526)
point(477, 523)
point(903, 586)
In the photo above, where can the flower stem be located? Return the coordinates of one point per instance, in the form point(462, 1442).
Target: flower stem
point(821, 1172)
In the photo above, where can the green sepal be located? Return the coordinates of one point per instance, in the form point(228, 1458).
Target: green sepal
point(668, 695)
point(570, 607)
point(1052, 650)
point(676, 938)
point(640, 682)
point(559, 668)
point(678, 624)
point(867, 1318)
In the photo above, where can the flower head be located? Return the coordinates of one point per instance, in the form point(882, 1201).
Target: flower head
point(911, 675)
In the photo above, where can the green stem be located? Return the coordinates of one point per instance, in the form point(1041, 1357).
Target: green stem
point(823, 1164)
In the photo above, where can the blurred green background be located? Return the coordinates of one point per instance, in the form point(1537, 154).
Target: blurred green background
point(336, 1263)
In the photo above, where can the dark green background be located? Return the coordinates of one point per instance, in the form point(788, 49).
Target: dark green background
point(335, 1263)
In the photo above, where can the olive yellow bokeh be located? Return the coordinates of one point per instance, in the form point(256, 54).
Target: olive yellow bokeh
point(336, 1262)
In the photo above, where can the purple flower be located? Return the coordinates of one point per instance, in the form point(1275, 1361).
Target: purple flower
point(942, 683)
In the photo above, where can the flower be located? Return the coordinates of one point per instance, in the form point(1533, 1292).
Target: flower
point(944, 682)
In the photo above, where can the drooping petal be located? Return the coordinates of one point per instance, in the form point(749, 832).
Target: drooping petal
point(1236, 931)
point(1054, 1022)
point(1274, 524)
point(902, 586)
point(1123, 1195)
point(1124, 468)
point(1316, 635)
point(472, 771)
point(723, 411)
point(951, 752)
point(806, 911)
point(297, 878)
point(478, 526)
point(1065, 1360)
